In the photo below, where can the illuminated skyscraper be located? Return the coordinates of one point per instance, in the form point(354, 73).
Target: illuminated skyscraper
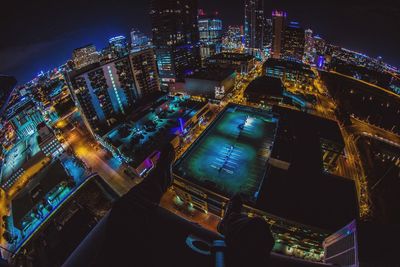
point(138, 39)
point(278, 30)
point(144, 67)
point(308, 56)
point(210, 32)
point(175, 37)
point(319, 51)
point(84, 56)
point(254, 23)
point(267, 32)
point(118, 46)
point(108, 92)
point(210, 29)
point(234, 38)
point(293, 42)
point(319, 45)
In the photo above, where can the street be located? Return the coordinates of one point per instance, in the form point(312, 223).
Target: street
point(100, 161)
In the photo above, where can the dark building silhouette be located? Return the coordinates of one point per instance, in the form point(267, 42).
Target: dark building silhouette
point(175, 37)
point(6, 88)
point(278, 28)
point(293, 42)
point(254, 23)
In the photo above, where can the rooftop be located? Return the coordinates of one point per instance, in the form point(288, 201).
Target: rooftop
point(36, 189)
point(264, 87)
point(318, 128)
point(70, 223)
point(19, 154)
point(212, 74)
point(137, 139)
point(288, 64)
point(311, 196)
point(231, 154)
point(231, 56)
point(23, 103)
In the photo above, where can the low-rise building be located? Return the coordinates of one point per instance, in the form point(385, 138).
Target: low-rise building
point(274, 159)
point(291, 72)
point(241, 63)
point(171, 120)
point(24, 116)
point(210, 83)
point(264, 89)
point(48, 141)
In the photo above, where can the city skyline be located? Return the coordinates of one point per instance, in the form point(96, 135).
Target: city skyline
point(361, 27)
point(250, 132)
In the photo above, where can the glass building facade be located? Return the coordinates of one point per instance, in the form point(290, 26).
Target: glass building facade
point(175, 37)
point(108, 92)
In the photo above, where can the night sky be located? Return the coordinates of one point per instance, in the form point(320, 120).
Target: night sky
point(39, 35)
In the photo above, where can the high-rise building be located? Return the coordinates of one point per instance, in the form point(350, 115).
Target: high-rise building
point(278, 30)
point(319, 51)
point(210, 33)
point(254, 23)
point(319, 45)
point(293, 42)
point(308, 56)
point(118, 46)
point(84, 56)
point(210, 29)
point(106, 93)
point(233, 39)
point(138, 39)
point(175, 37)
point(267, 32)
point(144, 68)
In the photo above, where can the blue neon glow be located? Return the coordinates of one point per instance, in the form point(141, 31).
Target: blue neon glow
point(181, 125)
point(321, 61)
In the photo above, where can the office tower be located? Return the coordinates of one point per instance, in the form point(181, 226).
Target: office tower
point(106, 93)
point(138, 39)
point(144, 68)
point(319, 45)
point(84, 56)
point(293, 42)
point(319, 51)
point(254, 23)
point(234, 38)
point(175, 37)
point(308, 56)
point(210, 29)
point(267, 32)
point(118, 46)
point(278, 28)
point(210, 34)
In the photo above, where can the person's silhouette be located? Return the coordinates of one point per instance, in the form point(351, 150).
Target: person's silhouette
point(249, 240)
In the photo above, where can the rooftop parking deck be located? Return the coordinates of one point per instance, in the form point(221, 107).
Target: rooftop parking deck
point(231, 156)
